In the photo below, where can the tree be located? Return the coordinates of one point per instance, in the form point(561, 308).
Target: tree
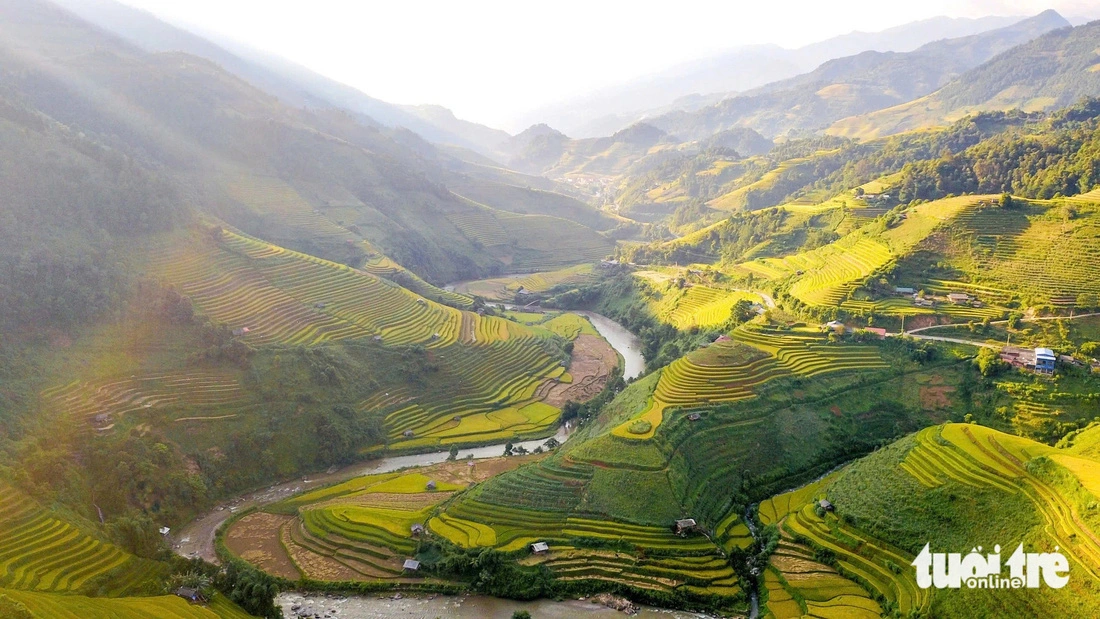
point(1085, 300)
point(989, 362)
point(521, 614)
point(453, 453)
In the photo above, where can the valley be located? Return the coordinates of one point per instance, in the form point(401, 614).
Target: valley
point(273, 347)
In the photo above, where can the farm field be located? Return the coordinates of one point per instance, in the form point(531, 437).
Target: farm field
point(359, 530)
point(828, 275)
point(42, 553)
point(698, 306)
point(505, 288)
point(730, 371)
point(1041, 493)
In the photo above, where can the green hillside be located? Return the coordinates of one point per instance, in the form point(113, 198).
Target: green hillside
point(1050, 72)
point(855, 85)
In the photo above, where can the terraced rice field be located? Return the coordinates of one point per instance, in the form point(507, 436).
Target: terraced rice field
point(699, 306)
point(382, 266)
point(284, 211)
point(292, 298)
point(798, 585)
point(551, 243)
point(49, 606)
point(512, 515)
point(692, 381)
point(118, 396)
point(505, 288)
point(359, 530)
point(860, 556)
point(826, 276)
point(904, 307)
point(984, 458)
point(1038, 254)
point(41, 553)
point(488, 403)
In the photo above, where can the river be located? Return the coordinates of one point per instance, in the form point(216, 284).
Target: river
point(196, 539)
point(452, 607)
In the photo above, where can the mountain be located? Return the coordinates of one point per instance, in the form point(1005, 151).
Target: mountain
point(692, 84)
point(291, 83)
point(1047, 73)
point(855, 84)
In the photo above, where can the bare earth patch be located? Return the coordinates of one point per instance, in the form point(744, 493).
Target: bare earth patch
point(255, 538)
point(934, 398)
point(591, 366)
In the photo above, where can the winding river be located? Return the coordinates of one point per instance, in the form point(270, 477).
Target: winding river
point(196, 539)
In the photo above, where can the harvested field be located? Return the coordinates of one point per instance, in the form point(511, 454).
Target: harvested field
point(256, 539)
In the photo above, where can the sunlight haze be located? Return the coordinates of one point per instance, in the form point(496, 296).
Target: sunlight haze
point(494, 61)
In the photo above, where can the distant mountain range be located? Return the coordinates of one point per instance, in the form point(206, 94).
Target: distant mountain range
point(290, 82)
point(1050, 72)
point(692, 85)
point(854, 85)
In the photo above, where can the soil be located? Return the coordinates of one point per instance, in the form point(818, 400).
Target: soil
point(934, 398)
point(255, 538)
point(591, 366)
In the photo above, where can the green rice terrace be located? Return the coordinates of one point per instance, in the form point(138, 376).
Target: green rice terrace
point(49, 567)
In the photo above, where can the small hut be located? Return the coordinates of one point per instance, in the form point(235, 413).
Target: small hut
point(694, 417)
point(826, 505)
point(684, 526)
point(408, 434)
point(191, 595)
point(417, 529)
point(540, 547)
point(411, 565)
point(431, 485)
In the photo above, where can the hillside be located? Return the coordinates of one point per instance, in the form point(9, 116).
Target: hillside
point(1012, 491)
point(292, 84)
point(309, 180)
point(854, 85)
point(1050, 72)
point(737, 70)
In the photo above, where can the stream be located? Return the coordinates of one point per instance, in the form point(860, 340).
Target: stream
point(754, 596)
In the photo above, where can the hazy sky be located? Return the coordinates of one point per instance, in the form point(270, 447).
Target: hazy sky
point(492, 60)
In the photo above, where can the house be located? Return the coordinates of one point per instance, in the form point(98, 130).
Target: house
point(694, 417)
point(165, 530)
point(826, 505)
point(684, 526)
point(241, 331)
point(191, 595)
point(422, 301)
point(539, 547)
point(904, 290)
point(431, 485)
point(102, 418)
point(411, 565)
point(722, 338)
point(958, 297)
point(1044, 360)
point(834, 324)
point(417, 529)
point(879, 331)
point(320, 305)
point(378, 338)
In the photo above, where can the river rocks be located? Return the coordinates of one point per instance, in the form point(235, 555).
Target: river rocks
point(615, 602)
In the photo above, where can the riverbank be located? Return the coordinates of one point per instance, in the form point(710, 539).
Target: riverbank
point(392, 606)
